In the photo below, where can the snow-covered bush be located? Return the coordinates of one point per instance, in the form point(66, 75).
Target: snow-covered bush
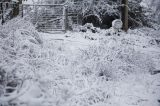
point(117, 56)
point(19, 43)
point(88, 27)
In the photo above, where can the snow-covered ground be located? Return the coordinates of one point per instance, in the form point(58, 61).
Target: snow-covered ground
point(77, 68)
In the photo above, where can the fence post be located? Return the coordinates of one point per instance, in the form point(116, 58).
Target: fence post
point(79, 16)
point(2, 12)
point(125, 15)
point(21, 9)
point(65, 12)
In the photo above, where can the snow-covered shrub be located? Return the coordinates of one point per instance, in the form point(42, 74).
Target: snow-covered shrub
point(117, 24)
point(88, 27)
point(20, 43)
point(48, 74)
point(117, 56)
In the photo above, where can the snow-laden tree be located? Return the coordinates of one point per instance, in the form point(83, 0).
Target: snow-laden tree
point(156, 6)
point(107, 10)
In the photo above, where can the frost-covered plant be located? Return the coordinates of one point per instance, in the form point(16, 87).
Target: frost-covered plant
point(46, 73)
point(116, 57)
point(19, 44)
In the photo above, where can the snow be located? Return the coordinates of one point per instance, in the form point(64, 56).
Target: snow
point(30, 1)
point(15, 0)
point(70, 69)
point(117, 24)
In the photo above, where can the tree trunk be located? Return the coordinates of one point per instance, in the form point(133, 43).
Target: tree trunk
point(125, 15)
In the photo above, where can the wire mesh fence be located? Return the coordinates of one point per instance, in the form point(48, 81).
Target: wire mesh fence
point(46, 18)
point(51, 18)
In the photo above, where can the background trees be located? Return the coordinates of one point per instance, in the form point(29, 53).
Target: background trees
point(107, 11)
point(155, 4)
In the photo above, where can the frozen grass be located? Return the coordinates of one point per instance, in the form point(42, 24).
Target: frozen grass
point(55, 70)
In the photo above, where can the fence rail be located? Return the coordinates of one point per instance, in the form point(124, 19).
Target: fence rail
point(43, 5)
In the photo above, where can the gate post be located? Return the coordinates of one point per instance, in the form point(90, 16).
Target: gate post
point(21, 9)
point(79, 16)
point(125, 15)
point(2, 12)
point(65, 15)
point(20, 6)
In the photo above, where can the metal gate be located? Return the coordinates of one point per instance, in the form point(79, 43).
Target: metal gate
point(46, 18)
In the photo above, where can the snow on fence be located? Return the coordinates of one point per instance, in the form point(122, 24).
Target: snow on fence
point(50, 18)
point(46, 18)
